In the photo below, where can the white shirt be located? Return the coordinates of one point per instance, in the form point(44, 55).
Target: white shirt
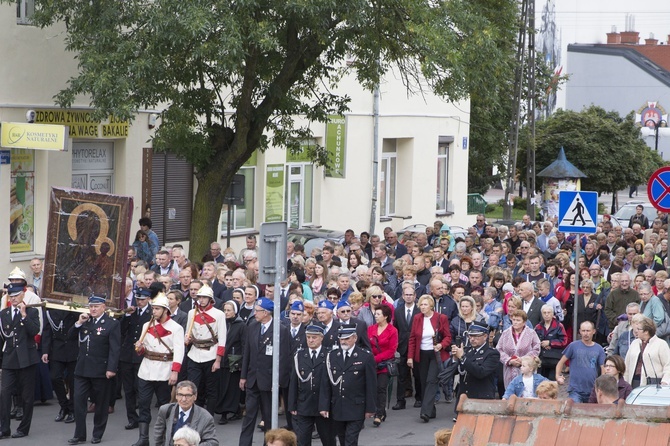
point(427, 334)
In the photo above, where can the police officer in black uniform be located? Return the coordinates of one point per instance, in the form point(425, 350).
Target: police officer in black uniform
point(349, 387)
point(99, 338)
point(309, 365)
point(19, 358)
point(296, 327)
point(61, 355)
point(129, 360)
point(478, 364)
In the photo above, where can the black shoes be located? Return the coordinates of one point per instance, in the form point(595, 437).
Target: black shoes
point(130, 426)
point(76, 440)
point(223, 419)
point(69, 418)
point(61, 416)
point(400, 405)
point(417, 403)
point(4, 435)
point(96, 440)
point(18, 434)
point(424, 417)
point(19, 414)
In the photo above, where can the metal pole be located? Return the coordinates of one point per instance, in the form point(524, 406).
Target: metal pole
point(375, 158)
point(575, 328)
point(656, 126)
point(280, 267)
point(230, 216)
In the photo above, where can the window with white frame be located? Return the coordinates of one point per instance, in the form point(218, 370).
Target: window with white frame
point(24, 11)
point(442, 198)
point(299, 194)
point(387, 183)
point(242, 214)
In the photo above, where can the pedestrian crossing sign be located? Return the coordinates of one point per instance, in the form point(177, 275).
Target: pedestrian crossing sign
point(577, 211)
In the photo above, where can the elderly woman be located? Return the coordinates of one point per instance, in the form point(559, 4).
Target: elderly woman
point(229, 400)
point(615, 366)
point(588, 304)
point(553, 340)
point(186, 436)
point(517, 341)
point(384, 342)
point(648, 357)
point(429, 342)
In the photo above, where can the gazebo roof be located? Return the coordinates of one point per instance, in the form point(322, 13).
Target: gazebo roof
point(561, 168)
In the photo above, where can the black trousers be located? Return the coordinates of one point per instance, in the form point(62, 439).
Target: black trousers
point(129, 373)
point(145, 394)
point(21, 382)
point(199, 372)
point(428, 372)
point(256, 399)
point(100, 391)
point(405, 380)
point(62, 374)
point(382, 391)
point(348, 431)
point(303, 426)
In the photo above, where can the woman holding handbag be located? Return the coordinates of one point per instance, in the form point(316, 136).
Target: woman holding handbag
point(429, 342)
point(384, 341)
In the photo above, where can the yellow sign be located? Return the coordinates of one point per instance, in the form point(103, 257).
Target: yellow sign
point(17, 135)
point(82, 124)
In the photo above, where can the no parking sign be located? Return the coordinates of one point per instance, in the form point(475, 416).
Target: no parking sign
point(658, 189)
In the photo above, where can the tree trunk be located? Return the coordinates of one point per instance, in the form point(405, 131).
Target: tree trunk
point(207, 206)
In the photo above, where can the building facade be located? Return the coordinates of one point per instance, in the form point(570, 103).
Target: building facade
point(419, 173)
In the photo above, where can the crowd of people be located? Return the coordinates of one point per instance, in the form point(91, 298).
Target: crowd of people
point(489, 315)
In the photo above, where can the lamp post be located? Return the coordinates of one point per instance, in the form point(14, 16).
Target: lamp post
point(656, 124)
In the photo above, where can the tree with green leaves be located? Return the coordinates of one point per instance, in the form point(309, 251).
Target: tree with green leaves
point(609, 149)
point(232, 76)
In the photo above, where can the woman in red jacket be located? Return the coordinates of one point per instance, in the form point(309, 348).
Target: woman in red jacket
point(429, 337)
point(384, 341)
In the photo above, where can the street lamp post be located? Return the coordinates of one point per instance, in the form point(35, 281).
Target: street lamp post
point(656, 124)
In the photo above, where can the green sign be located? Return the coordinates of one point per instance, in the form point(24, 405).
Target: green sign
point(274, 193)
point(336, 130)
point(303, 155)
point(253, 160)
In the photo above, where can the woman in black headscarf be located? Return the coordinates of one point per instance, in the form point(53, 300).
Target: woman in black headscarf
point(229, 401)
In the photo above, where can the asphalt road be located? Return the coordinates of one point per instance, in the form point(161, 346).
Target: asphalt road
point(402, 427)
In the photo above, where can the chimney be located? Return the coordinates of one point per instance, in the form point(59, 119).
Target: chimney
point(651, 40)
point(630, 37)
point(614, 38)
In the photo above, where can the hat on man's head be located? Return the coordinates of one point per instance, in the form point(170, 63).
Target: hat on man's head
point(326, 304)
point(96, 300)
point(297, 306)
point(265, 304)
point(347, 331)
point(343, 303)
point(315, 330)
point(161, 300)
point(17, 273)
point(478, 328)
point(205, 291)
point(142, 293)
point(14, 289)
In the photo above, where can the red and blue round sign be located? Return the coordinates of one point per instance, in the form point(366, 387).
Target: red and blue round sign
point(658, 189)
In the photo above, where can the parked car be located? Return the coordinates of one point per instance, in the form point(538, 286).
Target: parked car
point(456, 231)
point(652, 395)
point(626, 211)
point(312, 238)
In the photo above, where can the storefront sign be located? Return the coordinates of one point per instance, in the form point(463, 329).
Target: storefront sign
point(83, 125)
point(17, 135)
point(94, 156)
point(336, 130)
point(22, 201)
point(274, 193)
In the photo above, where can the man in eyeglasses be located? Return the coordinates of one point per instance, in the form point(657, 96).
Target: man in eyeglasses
point(344, 315)
point(480, 226)
point(173, 416)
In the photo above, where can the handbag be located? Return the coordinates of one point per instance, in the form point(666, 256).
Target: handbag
point(235, 363)
point(392, 367)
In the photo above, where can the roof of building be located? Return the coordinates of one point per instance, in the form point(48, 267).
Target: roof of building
point(653, 59)
point(561, 168)
point(523, 421)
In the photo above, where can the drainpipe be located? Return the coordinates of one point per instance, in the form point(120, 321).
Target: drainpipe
point(375, 158)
